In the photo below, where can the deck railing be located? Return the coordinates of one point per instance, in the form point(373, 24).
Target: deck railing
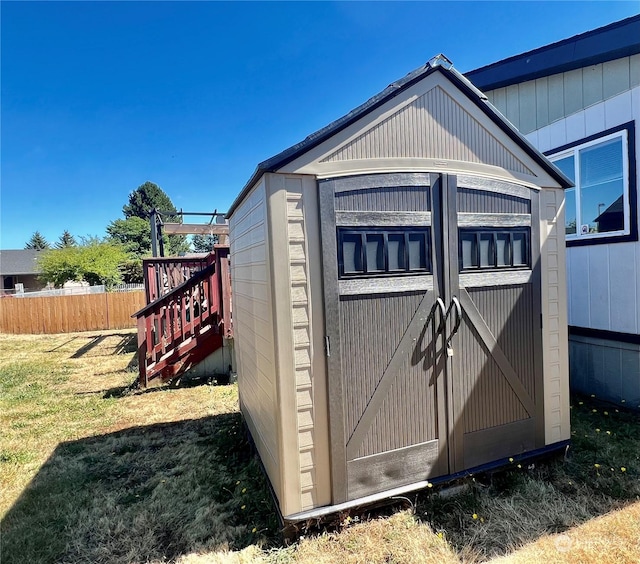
point(164, 274)
point(184, 316)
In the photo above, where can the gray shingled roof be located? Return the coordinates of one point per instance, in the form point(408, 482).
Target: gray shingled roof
point(22, 261)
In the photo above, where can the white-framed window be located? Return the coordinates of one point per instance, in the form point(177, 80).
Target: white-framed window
point(602, 206)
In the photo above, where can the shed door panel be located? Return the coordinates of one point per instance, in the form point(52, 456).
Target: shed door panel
point(495, 371)
point(381, 333)
point(415, 394)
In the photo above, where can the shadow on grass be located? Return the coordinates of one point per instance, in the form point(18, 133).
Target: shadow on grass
point(143, 494)
point(102, 345)
point(499, 512)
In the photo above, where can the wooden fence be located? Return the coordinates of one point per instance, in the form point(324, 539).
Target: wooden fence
point(67, 314)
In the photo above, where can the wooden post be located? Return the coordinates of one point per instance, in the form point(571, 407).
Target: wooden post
point(142, 353)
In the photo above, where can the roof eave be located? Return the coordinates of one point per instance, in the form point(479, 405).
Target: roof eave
point(614, 41)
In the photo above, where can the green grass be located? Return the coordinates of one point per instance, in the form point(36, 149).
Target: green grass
point(91, 474)
point(88, 493)
point(142, 494)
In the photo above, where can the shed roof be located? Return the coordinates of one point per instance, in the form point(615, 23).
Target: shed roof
point(613, 41)
point(19, 261)
point(438, 64)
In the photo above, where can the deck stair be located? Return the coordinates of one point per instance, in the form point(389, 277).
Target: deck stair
point(188, 314)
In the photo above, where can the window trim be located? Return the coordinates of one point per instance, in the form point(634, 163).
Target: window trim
point(363, 232)
point(626, 132)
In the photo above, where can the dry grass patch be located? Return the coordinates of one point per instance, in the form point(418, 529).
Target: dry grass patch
point(610, 539)
point(399, 538)
point(92, 472)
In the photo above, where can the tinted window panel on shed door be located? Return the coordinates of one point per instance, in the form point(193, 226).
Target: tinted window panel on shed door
point(370, 252)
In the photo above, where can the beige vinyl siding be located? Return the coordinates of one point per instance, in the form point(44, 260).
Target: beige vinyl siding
point(433, 126)
point(253, 324)
point(308, 323)
point(301, 385)
point(534, 104)
point(554, 317)
point(430, 127)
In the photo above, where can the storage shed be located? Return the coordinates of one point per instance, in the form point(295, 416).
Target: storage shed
point(399, 298)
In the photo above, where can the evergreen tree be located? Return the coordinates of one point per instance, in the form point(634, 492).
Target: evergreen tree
point(145, 198)
point(66, 240)
point(37, 242)
point(142, 200)
point(203, 243)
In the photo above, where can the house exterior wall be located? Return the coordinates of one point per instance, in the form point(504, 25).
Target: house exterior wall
point(603, 280)
point(31, 282)
point(253, 328)
point(535, 104)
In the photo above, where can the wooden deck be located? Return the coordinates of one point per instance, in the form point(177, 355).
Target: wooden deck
point(188, 313)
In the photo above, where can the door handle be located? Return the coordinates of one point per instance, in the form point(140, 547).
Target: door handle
point(455, 303)
point(443, 315)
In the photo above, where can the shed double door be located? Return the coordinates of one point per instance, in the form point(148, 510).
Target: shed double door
point(433, 332)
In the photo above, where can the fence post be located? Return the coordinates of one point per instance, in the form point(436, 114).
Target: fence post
point(106, 308)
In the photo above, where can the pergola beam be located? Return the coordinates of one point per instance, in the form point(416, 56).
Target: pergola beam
point(195, 229)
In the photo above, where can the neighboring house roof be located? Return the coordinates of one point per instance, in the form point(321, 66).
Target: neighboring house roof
point(614, 211)
point(438, 64)
point(613, 41)
point(22, 261)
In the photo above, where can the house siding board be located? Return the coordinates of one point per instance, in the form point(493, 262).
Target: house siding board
point(255, 350)
point(615, 77)
point(623, 284)
point(634, 70)
point(542, 102)
point(556, 97)
point(619, 109)
point(560, 95)
point(594, 272)
point(527, 107)
point(500, 100)
point(592, 91)
point(600, 298)
point(572, 90)
point(513, 105)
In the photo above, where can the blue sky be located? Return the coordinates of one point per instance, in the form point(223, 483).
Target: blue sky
point(99, 97)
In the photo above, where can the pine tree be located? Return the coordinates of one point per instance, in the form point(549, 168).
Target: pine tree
point(131, 232)
point(203, 243)
point(37, 242)
point(145, 198)
point(65, 240)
